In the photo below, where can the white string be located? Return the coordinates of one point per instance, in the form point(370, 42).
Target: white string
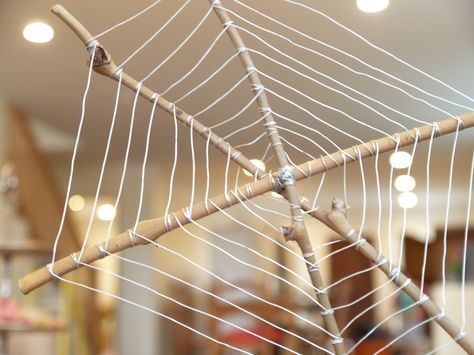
point(357, 273)
point(213, 295)
point(306, 294)
point(383, 299)
point(208, 173)
point(104, 161)
point(285, 38)
point(403, 334)
point(154, 35)
point(313, 115)
point(465, 246)
point(427, 213)
point(328, 106)
point(195, 66)
point(267, 222)
point(385, 52)
point(240, 112)
point(364, 193)
point(145, 160)
point(131, 18)
point(175, 161)
point(193, 169)
point(446, 219)
point(204, 82)
point(318, 191)
point(276, 263)
point(327, 77)
point(390, 205)
point(149, 310)
point(250, 294)
point(250, 125)
point(73, 158)
point(404, 219)
point(380, 323)
point(310, 129)
point(177, 49)
point(298, 256)
point(371, 292)
point(220, 98)
point(124, 171)
point(379, 200)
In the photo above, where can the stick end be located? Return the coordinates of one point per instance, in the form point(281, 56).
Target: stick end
point(57, 9)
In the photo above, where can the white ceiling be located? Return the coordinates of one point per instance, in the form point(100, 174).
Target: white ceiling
point(48, 80)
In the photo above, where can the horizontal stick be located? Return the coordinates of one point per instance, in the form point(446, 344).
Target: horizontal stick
point(150, 229)
point(154, 228)
point(336, 220)
point(384, 144)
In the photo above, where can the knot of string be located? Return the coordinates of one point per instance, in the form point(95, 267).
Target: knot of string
point(286, 176)
point(460, 126)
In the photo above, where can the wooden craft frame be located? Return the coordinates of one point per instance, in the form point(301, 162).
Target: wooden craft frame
point(283, 182)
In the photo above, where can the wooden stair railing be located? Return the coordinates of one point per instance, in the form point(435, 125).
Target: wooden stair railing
point(41, 203)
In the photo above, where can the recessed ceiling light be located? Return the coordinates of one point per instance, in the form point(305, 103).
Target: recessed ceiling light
point(407, 200)
point(372, 5)
point(38, 32)
point(400, 160)
point(258, 163)
point(106, 212)
point(76, 203)
point(404, 183)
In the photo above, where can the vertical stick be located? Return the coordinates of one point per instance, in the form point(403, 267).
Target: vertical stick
point(297, 231)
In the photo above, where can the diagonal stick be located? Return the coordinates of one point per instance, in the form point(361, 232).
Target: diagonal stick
point(336, 219)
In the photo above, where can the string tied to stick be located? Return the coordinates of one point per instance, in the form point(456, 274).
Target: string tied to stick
point(167, 222)
point(74, 258)
point(437, 131)
point(286, 176)
point(460, 126)
point(338, 340)
point(102, 251)
point(50, 269)
point(132, 238)
point(461, 335)
point(117, 73)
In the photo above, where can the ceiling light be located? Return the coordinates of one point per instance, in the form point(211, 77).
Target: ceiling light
point(258, 163)
point(400, 160)
point(407, 200)
point(106, 212)
point(372, 5)
point(404, 183)
point(38, 32)
point(76, 203)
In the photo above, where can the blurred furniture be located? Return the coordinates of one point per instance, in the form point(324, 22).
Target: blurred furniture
point(414, 251)
point(240, 338)
point(13, 318)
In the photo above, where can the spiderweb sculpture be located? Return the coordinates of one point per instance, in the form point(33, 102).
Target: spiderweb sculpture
point(274, 96)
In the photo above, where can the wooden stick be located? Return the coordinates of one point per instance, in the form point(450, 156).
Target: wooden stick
point(297, 230)
point(103, 64)
point(336, 219)
point(151, 229)
point(384, 144)
point(253, 189)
